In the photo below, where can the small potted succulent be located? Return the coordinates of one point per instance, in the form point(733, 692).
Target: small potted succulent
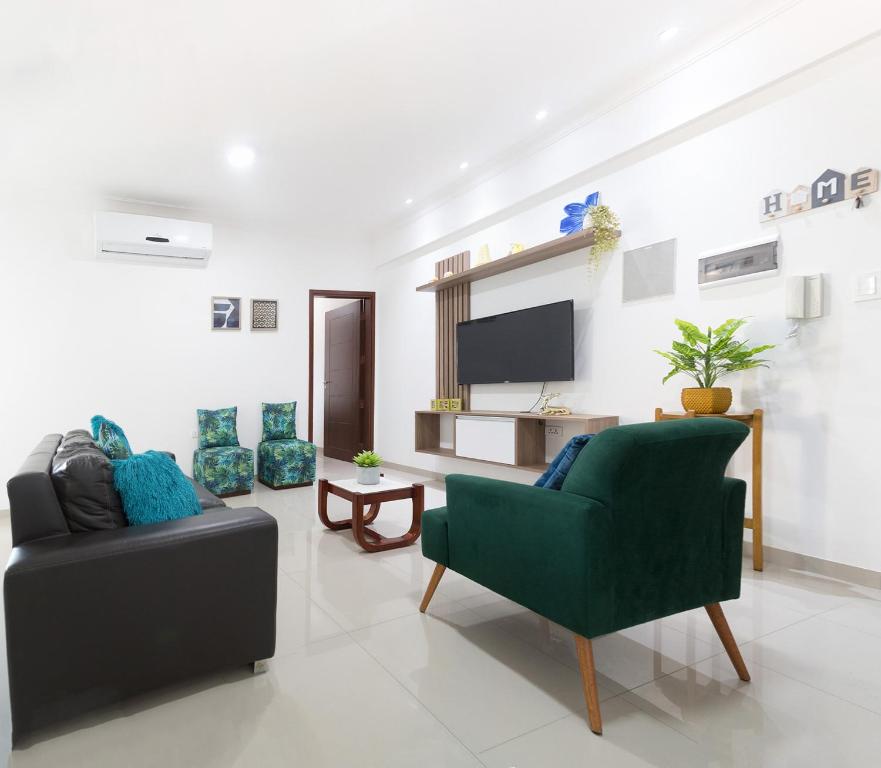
point(367, 464)
point(706, 357)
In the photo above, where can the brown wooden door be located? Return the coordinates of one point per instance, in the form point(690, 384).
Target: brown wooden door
point(343, 377)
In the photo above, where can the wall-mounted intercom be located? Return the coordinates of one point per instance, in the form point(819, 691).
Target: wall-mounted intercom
point(804, 296)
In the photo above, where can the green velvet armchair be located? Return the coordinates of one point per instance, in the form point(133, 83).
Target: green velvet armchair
point(645, 526)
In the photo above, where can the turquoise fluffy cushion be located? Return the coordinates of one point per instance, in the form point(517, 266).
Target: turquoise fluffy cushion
point(153, 489)
point(110, 438)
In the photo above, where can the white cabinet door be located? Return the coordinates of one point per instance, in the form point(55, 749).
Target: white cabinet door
point(488, 438)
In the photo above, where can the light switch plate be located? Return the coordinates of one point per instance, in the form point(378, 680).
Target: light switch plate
point(867, 286)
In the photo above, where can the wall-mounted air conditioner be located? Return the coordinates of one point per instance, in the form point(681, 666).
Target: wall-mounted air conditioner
point(147, 238)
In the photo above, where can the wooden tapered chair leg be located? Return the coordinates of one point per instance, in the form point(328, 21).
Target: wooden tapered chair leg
point(589, 681)
point(714, 610)
point(432, 586)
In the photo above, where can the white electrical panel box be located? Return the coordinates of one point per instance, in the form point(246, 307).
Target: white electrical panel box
point(804, 296)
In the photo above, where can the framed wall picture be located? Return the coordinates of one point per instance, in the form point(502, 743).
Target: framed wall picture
point(264, 315)
point(226, 313)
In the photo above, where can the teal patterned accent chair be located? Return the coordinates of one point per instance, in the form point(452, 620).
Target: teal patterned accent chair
point(283, 461)
point(220, 463)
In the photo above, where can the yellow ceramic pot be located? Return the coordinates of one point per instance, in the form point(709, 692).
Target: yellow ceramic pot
point(706, 400)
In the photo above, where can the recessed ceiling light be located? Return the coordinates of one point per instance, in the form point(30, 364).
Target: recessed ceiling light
point(541, 114)
point(408, 201)
point(241, 157)
point(668, 34)
point(463, 165)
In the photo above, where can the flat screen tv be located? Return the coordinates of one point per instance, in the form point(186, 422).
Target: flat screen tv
point(536, 344)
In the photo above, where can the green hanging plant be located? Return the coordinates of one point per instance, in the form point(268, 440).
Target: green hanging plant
point(605, 225)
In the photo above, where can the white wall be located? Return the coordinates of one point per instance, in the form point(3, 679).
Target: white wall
point(322, 306)
point(82, 336)
point(820, 393)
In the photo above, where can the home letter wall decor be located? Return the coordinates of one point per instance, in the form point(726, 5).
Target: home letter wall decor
point(829, 187)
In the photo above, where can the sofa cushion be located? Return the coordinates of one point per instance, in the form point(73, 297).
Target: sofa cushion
point(153, 489)
point(280, 421)
point(207, 500)
point(110, 438)
point(217, 429)
point(82, 476)
point(286, 462)
point(224, 471)
point(557, 470)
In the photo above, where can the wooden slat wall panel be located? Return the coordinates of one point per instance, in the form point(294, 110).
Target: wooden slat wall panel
point(453, 305)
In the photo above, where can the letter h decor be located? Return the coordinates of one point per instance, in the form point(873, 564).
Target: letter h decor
point(453, 305)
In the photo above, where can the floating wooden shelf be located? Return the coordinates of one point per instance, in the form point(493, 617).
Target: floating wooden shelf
point(529, 435)
point(532, 255)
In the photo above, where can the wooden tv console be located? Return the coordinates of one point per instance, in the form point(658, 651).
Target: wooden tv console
point(529, 448)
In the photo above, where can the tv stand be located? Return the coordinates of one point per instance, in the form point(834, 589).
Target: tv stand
point(510, 439)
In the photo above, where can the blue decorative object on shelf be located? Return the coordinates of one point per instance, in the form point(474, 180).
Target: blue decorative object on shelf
point(575, 213)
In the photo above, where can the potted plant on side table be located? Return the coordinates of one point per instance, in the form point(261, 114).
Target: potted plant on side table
point(707, 357)
point(367, 464)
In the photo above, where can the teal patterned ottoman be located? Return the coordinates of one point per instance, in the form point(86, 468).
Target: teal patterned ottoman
point(286, 463)
point(225, 471)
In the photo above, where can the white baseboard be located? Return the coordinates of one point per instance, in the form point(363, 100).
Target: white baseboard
point(797, 562)
point(782, 557)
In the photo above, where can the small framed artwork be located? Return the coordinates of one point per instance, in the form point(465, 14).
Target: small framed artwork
point(264, 315)
point(226, 313)
point(455, 403)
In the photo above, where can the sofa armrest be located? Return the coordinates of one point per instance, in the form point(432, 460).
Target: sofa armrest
point(92, 618)
point(734, 495)
point(547, 550)
point(188, 534)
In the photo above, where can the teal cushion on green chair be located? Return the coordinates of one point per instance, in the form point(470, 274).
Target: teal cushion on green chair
point(153, 489)
point(217, 429)
point(280, 421)
point(110, 438)
point(557, 470)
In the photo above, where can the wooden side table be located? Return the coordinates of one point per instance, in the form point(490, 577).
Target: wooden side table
point(753, 421)
point(372, 496)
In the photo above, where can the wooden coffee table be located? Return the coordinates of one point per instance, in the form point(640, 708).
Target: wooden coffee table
point(371, 496)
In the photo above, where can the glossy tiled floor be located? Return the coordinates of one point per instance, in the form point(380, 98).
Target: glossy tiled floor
point(362, 679)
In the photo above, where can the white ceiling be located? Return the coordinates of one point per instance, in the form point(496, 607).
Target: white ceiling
point(352, 107)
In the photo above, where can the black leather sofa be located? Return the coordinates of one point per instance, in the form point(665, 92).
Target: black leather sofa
point(95, 617)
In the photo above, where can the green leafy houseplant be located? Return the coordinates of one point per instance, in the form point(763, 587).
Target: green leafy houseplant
point(367, 465)
point(368, 459)
point(707, 357)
